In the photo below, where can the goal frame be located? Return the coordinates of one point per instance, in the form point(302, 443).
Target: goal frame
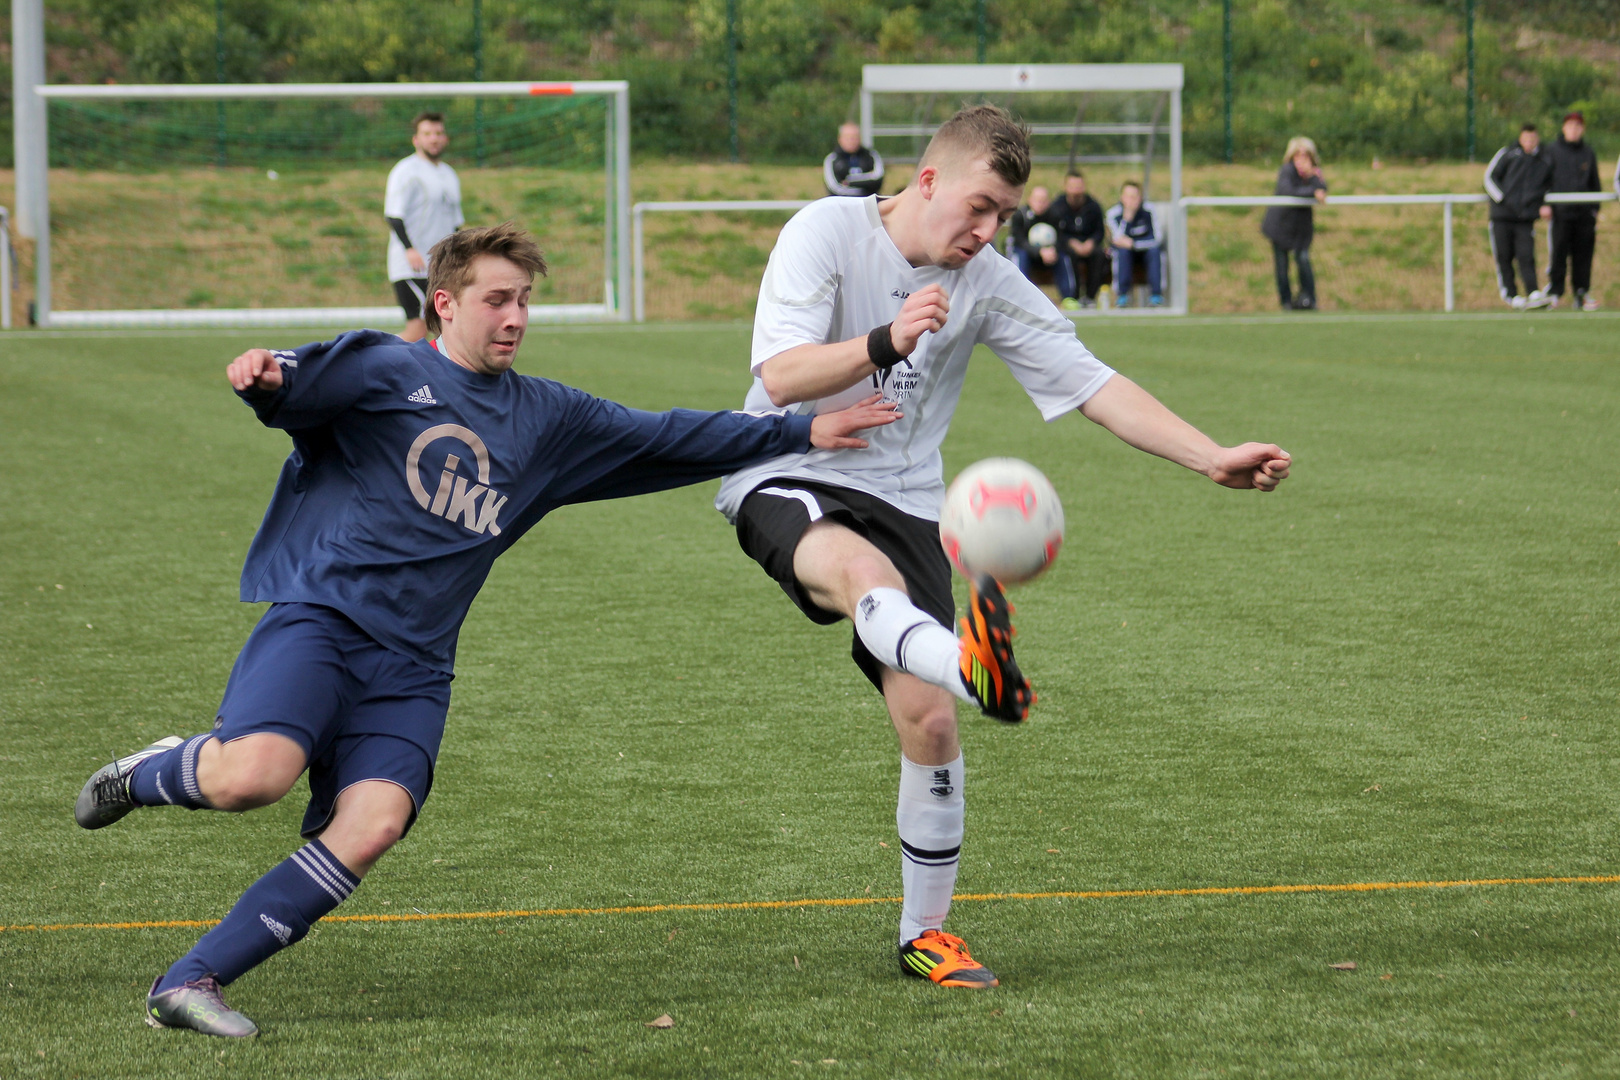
point(616, 286)
point(995, 80)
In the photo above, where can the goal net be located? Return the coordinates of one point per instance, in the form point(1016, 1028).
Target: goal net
point(261, 205)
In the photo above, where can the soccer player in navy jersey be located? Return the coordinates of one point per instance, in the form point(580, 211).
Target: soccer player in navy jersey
point(414, 466)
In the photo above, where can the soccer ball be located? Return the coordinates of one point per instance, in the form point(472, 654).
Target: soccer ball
point(1042, 235)
point(1001, 517)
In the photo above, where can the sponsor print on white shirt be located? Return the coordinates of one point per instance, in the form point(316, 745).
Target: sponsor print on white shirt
point(835, 275)
point(427, 197)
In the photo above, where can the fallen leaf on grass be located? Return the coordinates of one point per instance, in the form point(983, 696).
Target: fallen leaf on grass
point(1053, 851)
point(1387, 977)
point(1375, 787)
point(672, 934)
point(665, 1021)
point(995, 1012)
point(829, 1061)
point(1348, 965)
point(795, 963)
point(882, 844)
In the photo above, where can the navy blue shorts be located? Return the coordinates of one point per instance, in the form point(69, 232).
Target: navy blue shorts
point(359, 710)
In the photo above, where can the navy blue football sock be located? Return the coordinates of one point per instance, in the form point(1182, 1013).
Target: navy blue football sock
point(170, 778)
point(275, 912)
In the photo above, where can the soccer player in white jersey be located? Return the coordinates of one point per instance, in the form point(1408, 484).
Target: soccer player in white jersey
point(892, 295)
point(423, 206)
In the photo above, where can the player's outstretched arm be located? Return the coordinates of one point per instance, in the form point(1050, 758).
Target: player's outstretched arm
point(1140, 419)
point(256, 368)
point(809, 372)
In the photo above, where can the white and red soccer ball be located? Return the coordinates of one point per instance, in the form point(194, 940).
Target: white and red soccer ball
point(1001, 517)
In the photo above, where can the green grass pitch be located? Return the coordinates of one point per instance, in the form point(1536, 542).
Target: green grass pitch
point(1401, 667)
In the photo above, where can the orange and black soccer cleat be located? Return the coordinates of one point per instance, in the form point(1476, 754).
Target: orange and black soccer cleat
point(943, 958)
point(989, 671)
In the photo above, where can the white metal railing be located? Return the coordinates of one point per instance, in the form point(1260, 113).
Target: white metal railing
point(1179, 273)
point(638, 252)
point(1179, 269)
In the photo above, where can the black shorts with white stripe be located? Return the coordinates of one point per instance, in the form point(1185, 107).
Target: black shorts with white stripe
point(412, 296)
point(774, 517)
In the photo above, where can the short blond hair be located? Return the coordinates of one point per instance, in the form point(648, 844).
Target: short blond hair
point(450, 263)
point(1299, 144)
point(985, 133)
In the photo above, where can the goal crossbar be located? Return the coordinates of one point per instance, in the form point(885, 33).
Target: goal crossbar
point(616, 287)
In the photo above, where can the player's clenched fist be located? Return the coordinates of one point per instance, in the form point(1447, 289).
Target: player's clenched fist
point(257, 368)
point(923, 311)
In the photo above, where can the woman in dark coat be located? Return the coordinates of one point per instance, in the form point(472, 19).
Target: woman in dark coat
point(1289, 228)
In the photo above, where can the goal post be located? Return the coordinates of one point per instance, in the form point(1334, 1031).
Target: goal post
point(1077, 114)
point(611, 140)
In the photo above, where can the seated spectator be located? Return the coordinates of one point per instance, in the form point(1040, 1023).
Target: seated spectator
point(1136, 242)
point(1081, 236)
point(1291, 228)
point(1030, 251)
point(852, 169)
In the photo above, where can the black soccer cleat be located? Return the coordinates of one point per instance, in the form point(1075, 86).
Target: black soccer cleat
point(989, 671)
point(105, 796)
point(197, 1005)
point(944, 959)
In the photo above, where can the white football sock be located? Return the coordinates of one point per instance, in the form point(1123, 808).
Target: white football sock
point(931, 818)
point(906, 638)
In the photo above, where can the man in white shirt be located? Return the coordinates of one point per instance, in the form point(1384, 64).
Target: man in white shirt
point(891, 295)
point(423, 206)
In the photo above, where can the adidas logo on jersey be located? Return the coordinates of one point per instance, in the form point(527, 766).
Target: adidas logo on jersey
point(282, 931)
point(423, 396)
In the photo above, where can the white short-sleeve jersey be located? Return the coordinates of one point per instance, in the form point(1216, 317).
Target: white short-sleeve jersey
point(427, 197)
point(835, 275)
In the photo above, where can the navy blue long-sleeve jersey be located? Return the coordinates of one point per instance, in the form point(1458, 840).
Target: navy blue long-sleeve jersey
point(410, 474)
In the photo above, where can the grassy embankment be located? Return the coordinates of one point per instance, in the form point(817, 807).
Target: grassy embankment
point(236, 238)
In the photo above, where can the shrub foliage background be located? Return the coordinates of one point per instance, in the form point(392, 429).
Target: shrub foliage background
point(1365, 77)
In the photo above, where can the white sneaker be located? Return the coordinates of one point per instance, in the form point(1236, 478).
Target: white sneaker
point(1552, 302)
point(1537, 299)
point(1518, 303)
point(1589, 304)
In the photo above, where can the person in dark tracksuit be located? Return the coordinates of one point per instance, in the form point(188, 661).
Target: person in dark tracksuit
point(1574, 225)
point(1517, 180)
point(1029, 256)
point(1079, 221)
point(1291, 228)
point(852, 169)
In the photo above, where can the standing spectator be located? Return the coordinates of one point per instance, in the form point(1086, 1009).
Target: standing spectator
point(1517, 180)
point(1291, 228)
point(1574, 225)
point(423, 206)
point(1135, 240)
point(1029, 249)
point(852, 169)
point(1082, 237)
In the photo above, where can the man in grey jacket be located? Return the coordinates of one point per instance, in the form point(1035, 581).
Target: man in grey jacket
point(1517, 180)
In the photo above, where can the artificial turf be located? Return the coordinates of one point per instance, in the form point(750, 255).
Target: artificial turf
point(1400, 667)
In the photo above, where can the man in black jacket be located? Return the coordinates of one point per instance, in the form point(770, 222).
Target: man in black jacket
point(851, 169)
point(1517, 180)
point(1574, 225)
point(1079, 221)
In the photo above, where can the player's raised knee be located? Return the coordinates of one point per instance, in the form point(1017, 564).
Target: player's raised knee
point(248, 773)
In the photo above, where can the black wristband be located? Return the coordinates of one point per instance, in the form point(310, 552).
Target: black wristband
point(880, 349)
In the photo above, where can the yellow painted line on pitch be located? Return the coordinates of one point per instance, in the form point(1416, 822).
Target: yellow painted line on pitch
point(863, 901)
